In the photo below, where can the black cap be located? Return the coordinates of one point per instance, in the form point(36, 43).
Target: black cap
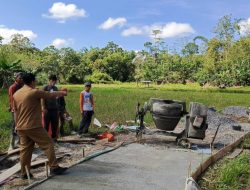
point(87, 84)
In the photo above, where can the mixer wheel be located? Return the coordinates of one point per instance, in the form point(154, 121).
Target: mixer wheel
point(184, 142)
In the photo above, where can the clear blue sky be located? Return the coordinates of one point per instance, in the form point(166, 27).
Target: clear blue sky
point(81, 23)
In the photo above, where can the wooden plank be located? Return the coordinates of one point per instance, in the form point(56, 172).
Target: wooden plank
point(235, 153)
point(14, 151)
point(102, 142)
point(9, 153)
point(89, 140)
point(2, 153)
point(16, 168)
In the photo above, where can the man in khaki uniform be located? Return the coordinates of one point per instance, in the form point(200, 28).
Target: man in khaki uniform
point(28, 113)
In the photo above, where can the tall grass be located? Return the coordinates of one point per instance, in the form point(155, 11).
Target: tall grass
point(118, 102)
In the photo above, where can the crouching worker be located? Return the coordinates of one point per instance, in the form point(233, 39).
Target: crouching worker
point(86, 108)
point(28, 118)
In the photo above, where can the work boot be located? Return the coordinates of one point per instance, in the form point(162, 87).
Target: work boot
point(25, 176)
point(58, 170)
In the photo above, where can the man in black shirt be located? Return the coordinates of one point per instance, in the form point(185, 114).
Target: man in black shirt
point(51, 108)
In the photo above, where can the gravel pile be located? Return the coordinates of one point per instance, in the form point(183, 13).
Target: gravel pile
point(214, 119)
point(236, 111)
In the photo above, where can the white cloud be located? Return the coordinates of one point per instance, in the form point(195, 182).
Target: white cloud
point(7, 33)
point(112, 22)
point(245, 26)
point(62, 12)
point(168, 30)
point(132, 31)
point(172, 29)
point(60, 42)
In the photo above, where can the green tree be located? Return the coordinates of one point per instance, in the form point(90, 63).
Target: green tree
point(8, 66)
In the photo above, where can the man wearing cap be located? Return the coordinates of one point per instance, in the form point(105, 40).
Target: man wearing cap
point(86, 108)
point(28, 118)
point(12, 90)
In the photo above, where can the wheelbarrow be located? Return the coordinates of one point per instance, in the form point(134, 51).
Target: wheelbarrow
point(166, 115)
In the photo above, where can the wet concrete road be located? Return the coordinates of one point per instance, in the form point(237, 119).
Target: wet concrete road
point(133, 167)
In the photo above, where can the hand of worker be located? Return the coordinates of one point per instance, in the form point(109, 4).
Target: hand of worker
point(45, 111)
point(63, 93)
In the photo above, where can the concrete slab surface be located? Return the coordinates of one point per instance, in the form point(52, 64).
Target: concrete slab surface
point(132, 167)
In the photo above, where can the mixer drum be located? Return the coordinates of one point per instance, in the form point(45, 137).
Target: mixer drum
point(166, 113)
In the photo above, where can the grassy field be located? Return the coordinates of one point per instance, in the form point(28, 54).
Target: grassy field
point(229, 174)
point(117, 102)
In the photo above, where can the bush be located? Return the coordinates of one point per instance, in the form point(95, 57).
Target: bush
point(99, 77)
point(42, 78)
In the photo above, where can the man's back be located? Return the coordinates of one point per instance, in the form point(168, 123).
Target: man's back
point(27, 103)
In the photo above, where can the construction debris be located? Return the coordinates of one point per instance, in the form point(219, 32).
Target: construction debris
point(97, 123)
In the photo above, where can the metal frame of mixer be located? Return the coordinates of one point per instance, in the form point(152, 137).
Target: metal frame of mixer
point(182, 138)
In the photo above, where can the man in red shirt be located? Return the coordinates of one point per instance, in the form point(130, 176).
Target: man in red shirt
point(12, 90)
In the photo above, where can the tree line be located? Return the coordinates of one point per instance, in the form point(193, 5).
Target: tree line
point(223, 60)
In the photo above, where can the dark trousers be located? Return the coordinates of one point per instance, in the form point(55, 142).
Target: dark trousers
point(51, 118)
point(13, 125)
point(86, 120)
